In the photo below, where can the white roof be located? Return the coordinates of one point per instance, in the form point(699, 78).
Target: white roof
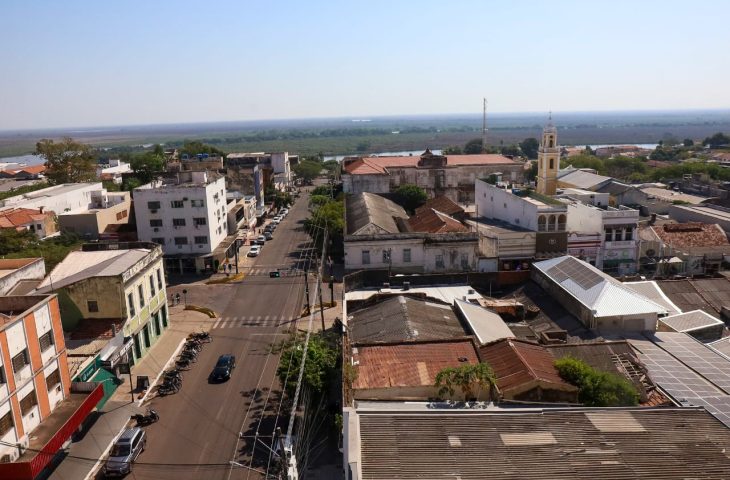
point(81, 265)
point(582, 179)
point(598, 291)
point(688, 321)
point(488, 326)
point(445, 293)
point(650, 289)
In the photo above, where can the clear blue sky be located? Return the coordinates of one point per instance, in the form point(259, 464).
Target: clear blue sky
point(88, 63)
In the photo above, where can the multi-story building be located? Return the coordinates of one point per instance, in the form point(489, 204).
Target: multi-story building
point(34, 377)
point(541, 214)
point(106, 208)
point(41, 223)
point(246, 174)
point(66, 197)
point(452, 176)
point(113, 170)
point(201, 162)
point(241, 212)
point(186, 213)
point(117, 283)
point(618, 250)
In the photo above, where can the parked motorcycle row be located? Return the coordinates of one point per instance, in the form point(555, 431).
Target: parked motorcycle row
point(172, 379)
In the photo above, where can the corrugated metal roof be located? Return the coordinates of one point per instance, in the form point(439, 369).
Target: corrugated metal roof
point(656, 444)
point(598, 291)
point(80, 265)
point(370, 213)
point(401, 319)
point(582, 179)
point(693, 320)
point(650, 289)
point(409, 364)
point(488, 326)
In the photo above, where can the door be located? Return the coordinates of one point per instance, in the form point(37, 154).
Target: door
point(137, 347)
point(146, 334)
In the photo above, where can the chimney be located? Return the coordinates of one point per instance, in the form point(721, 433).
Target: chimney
point(40, 209)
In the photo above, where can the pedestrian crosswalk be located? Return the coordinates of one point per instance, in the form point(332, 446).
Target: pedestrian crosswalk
point(251, 321)
point(264, 272)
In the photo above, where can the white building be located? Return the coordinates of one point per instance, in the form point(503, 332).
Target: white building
point(280, 164)
point(186, 213)
point(113, 170)
point(618, 250)
point(66, 197)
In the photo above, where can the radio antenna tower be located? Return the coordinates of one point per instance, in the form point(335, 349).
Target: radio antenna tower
point(484, 127)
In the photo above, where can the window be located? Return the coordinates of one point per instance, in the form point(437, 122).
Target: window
point(406, 255)
point(629, 234)
point(201, 240)
point(159, 240)
point(159, 279)
point(439, 261)
point(386, 256)
point(53, 379)
point(552, 163)
point(366, 257)
point(155, 222)
point(2, 380)
point(181, 240)
point(609, 235)
point(619, 235)
point(465, 261)
point(92, 306)
point(140, 291)
point(199, 221)
point(119, 216)
point(46, 340)
point(27, 403)
point(20, 361)
point(152, 285)
point(177, 204)
point(197, 203)
point(130, 300)
point(153, 205)
point(178, 222)
point(6, 423)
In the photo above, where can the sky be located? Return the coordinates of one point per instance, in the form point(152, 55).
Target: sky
point(101, 63)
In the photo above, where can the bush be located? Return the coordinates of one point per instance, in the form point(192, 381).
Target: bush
point(597, 389)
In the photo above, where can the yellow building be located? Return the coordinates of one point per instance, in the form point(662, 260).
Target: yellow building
point(548, 160)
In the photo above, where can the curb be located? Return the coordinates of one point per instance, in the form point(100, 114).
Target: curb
point(169, 361)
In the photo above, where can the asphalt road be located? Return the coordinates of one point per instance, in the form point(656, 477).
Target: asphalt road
point(198, 432)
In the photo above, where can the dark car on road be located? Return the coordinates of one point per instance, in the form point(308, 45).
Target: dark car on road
point(223, 368)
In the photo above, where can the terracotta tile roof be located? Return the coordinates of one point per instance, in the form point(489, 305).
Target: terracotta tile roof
point(19, 217)
point(409, 364)
point(518, 363)
point(692, 234)
point(379, 165)
point(443, 204)
point(432, 221)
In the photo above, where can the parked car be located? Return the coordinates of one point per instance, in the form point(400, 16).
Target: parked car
point(268, 235)
point(276, 220)
point(124, 452)
point(254, 251)
point(270, 227)
point(223, 368)
point(260, 240)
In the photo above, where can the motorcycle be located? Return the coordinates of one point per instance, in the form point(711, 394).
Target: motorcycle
point(147, 418)
point(201, 337)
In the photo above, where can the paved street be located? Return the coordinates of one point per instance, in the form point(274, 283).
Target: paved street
point(200, 425)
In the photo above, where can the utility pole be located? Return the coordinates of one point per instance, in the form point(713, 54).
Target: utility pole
point(306, 289)
point(484, 127)
point(319, 279)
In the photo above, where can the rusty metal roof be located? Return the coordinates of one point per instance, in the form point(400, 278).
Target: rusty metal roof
point(517, 364)
point(409, 364)
point(615, 444)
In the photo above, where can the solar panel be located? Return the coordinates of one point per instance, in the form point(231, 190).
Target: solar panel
point(574, 269)
point(697, 356)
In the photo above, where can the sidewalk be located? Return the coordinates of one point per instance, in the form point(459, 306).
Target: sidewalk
point(115, 415)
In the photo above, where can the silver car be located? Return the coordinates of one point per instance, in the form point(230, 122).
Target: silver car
point(124, 452)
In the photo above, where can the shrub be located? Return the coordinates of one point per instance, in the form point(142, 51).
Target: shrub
point(597, 389)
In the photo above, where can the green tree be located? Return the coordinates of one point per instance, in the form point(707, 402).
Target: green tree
point(146, 165)
point(512, 150)
point(597, 389)
point(282, 200)
point(194, 147)
point(307, 170)
point(410, 197)
point(531, 174)
point(688, 142)
point(362, 146)
point(471, 379)
point(717, 140)
point(473, 147)
point(529, 147)
point(451, 150)
point(319, 368)
point(67, 161)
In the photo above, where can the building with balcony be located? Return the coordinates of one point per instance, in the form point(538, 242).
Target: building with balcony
point(618, 251)
point(537, 213)
point(452, 176)
point(34, 380)
point(66, 197)
point(106, 208)
point(117, 287)
point(113, 171)
point(186, 213)
point(241, 212)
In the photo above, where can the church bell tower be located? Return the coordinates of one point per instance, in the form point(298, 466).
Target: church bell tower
point(548, 160)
